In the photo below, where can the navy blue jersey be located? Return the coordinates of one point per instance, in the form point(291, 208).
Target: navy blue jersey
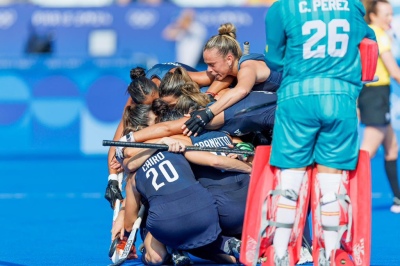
point(228, 188)
point(209, 175)
point(162, 174)
point(181, 213)
point(255, 112)
point(159, 70)
point(274, 80)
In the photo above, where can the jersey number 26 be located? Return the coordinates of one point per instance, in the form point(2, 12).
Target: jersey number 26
point(337, 42)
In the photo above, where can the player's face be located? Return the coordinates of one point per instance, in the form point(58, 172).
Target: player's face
point(217, 65)
point(384, 15)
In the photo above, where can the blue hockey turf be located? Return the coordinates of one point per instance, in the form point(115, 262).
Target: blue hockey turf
point(53, 213)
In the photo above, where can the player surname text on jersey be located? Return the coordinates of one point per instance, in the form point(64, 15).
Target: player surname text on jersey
point(324, 5)
point(152, 161)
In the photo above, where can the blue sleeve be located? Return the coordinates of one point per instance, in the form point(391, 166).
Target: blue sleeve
point(275, 38)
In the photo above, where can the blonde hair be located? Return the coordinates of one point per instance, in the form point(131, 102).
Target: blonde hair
point(191, 99)
point(225, 42)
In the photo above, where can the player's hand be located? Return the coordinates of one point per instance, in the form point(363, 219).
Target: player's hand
point(118, 229)
point(115, 165)
point(197, 121)
point(244, 146)
point(112, 191)
point(173, 144)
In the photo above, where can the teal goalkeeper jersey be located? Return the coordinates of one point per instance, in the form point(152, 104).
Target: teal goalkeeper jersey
point(315, 44)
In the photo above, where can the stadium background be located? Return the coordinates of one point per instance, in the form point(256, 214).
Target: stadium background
point(56, 108)
point(68, 101)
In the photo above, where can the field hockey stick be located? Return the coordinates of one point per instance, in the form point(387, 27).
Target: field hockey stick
point(246, 47)
point(132, 237)
point(117, 205)
point(165, 147)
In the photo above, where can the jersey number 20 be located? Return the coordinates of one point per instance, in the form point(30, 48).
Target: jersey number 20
point(153, 173)
point(337, 42)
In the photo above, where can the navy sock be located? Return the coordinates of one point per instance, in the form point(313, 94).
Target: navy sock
point(391, 172)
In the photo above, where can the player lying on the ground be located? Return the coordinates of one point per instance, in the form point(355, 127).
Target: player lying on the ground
point(224, 58)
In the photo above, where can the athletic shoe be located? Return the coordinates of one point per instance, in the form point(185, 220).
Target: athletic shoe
point(396, 205)
point(232, 247)
point(179, 258)
point(121, 246)
point(305, 256)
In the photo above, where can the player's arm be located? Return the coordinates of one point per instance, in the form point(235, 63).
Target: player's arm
point(159, 130)
point(391, 65)
point(113, 192)
point(136, 157)
point(113, 166)
point(246, 79)
point(275, 38)
point(217, 161)
point(118, 225)
point(204, 78)
point(206, 158)
point(132, 204)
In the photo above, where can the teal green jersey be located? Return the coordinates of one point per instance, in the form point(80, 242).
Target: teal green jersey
point(315, 44)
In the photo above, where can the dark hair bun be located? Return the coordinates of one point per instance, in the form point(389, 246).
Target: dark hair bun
point(137, 72)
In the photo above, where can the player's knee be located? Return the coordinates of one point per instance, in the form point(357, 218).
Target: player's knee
point(392, 152)
point(153, 258)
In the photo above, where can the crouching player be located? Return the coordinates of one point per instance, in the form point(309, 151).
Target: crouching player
point(316, 124)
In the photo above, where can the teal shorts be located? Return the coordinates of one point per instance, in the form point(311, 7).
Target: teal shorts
point(320, 129)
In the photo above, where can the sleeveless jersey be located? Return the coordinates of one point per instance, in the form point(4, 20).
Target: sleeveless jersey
point(209, 176)
point(273, 81)
point(315, 43)
point(163, 173)
point(255, 112)
point(182, 214)
point(159, 70)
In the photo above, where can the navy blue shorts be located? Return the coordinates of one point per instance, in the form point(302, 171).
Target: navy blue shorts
point(231, 202)
point(187, 219)
point(259, 115)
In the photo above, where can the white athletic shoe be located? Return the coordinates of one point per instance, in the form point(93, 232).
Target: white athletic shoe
point(396, 205)
point(305, 256)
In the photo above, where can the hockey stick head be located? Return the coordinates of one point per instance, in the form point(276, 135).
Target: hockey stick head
point(113, 247)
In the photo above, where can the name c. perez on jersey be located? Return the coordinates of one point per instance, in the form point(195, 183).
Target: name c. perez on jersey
point(214, 142)
point(324, 5)
point(152, 161)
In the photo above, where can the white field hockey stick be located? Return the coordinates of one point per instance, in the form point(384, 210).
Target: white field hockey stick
point(117, 206)
point(132, 238)
point(165, 147)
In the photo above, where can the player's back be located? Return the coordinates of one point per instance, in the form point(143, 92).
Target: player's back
point(322, 39)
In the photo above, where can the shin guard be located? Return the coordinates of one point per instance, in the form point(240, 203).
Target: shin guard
point(354, 243)
point(261, 206)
